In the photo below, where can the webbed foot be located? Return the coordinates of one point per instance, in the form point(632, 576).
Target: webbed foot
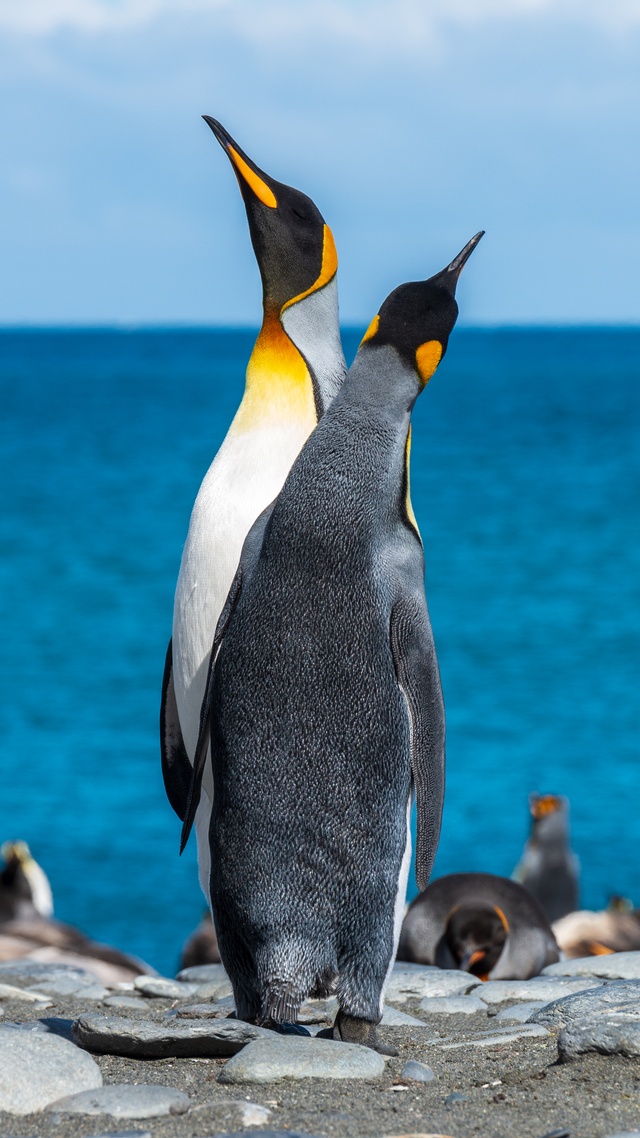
point(286, 1028)
point(353, 1029)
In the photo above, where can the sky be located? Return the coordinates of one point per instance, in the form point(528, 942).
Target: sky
point(411, 123)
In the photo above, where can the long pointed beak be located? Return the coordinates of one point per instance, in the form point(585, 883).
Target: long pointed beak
point(449, 276)
point(248, 174)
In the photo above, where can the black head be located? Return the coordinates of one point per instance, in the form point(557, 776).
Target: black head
point(476, 935)
point(293, 245)
point(417, 318)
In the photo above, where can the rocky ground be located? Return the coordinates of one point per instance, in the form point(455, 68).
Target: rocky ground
point(557, 1056)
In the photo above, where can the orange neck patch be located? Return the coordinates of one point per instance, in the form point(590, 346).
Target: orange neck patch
point(428, 357)
point(371, 330)
point(328, 269)
point(278, 388)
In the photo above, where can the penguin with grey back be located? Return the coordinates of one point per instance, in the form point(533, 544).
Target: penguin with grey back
point(323, 702)
point(548, 867)
point(296, 368)
point(477, 922)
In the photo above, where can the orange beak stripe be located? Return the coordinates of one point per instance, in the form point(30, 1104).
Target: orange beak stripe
point(255, 183)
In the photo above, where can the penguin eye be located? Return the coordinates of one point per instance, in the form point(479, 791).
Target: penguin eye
point(299, 213)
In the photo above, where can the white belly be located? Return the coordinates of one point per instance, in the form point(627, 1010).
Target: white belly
point(247, 473)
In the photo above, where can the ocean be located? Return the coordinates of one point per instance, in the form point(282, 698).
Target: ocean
point(525, 481)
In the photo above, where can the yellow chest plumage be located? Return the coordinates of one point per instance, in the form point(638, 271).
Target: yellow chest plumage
point(278, 388)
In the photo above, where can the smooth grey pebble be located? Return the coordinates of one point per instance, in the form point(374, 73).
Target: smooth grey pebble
point(265, 1134)
point(417, 1072)
point(126, 1002)
point(293, 1057)
point(121, 1134)
point(125, 1100)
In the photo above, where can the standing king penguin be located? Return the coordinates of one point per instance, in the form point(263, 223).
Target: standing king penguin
point(548, 867)
point(323, 702)
point(296, 368)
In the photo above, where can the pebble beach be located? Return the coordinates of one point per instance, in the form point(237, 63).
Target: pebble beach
point(557, 1055)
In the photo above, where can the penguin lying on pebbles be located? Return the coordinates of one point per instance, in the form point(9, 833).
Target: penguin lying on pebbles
point(28, 931)
point(296, 368)
point(323, 705)
point(486, 925)
point(548, 868)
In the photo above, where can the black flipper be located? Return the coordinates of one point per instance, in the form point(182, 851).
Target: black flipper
point(418, 676)
point(176, 768)
point(248, 558)
point(200, 757)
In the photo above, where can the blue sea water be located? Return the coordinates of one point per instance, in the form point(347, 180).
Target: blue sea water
point(525, 481)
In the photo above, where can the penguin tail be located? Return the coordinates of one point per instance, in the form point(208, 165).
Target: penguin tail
point(281, 1003)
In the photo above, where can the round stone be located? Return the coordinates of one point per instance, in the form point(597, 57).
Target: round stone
point(37, 1068)
point(125, 1100)
point(417, 1072)
point(164, 989)
point(294, 1057)
point(453, 1005)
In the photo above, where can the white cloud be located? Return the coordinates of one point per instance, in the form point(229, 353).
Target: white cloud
point(362, 22)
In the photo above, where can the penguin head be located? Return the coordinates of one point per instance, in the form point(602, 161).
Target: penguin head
point(417, 319)
point(24, 886)
point(549, 817)
point(293, 245)
point(476, 935)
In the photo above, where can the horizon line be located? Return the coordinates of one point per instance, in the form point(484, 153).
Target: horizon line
point(127, 326)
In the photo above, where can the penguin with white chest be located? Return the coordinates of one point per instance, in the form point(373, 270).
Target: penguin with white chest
point(296, 368)
point(323, 706)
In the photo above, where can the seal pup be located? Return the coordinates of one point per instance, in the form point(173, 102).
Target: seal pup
point(323, 703)
point(477, 922)
point(296, 367)
point(548, 867)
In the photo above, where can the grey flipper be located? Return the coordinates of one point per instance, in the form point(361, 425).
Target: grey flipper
point(176, 768)
point(250, 551)
point(418, 676)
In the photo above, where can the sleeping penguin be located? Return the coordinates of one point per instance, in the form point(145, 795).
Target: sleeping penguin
point(479, 923)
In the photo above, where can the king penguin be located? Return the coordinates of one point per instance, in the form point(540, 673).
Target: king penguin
point(548, 867)
point(480, 923)
point(323, 705)
point(296, 368)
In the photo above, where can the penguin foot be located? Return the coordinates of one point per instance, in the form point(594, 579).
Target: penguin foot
point(286, 1028)
point(353, 1029)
